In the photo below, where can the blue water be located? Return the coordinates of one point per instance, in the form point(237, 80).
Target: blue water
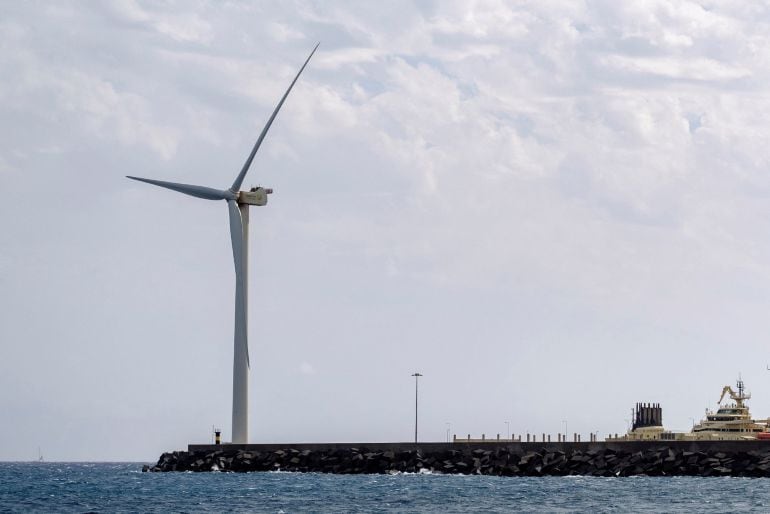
point(108, 487)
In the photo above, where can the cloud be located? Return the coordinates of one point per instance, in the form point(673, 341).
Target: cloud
point(692, 69)
point(282, 32)
point(176, 24)
point(55, 92)
point(111, 114)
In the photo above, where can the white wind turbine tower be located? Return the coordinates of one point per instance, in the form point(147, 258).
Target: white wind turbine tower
point(238, 203)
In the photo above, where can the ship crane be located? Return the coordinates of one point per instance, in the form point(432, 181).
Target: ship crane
point(738, 397)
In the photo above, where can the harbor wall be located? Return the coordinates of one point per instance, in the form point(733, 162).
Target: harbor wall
point(515, 446)
point(603, 458)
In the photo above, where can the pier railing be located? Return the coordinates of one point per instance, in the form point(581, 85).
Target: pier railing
point(531, 438)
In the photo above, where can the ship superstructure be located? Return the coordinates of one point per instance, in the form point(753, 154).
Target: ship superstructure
point(730, 420)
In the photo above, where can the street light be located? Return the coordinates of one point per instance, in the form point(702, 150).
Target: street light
point(416, 379)
point(565, 428)
point(448, 427)
point(508, 428)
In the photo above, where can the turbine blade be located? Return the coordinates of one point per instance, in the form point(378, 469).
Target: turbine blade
point(207, 193)
point(236, 237)
point(239, 179)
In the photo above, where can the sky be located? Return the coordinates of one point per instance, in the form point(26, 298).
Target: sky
point(550, 209)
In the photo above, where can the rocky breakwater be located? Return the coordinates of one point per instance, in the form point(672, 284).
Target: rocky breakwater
point(501, 461)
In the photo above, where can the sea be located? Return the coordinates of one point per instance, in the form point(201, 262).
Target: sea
point(122, 487)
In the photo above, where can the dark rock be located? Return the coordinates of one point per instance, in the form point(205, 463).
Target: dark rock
point(487, 460)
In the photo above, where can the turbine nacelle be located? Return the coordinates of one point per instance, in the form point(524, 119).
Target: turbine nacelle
point(255, 196)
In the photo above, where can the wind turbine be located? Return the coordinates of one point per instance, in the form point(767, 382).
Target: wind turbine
point(238, 203)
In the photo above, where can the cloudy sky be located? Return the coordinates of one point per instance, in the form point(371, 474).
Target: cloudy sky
point(552, 210)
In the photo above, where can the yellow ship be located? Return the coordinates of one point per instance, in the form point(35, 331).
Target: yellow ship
point(731, 421)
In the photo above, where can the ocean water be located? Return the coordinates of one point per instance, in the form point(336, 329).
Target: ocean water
point(116, 487)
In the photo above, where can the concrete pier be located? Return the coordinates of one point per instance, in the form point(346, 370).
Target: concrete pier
point(492, 444)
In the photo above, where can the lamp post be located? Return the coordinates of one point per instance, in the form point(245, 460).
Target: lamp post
point(565, 428)
point(416, 380)
point(448, 428)
point(508, 428)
